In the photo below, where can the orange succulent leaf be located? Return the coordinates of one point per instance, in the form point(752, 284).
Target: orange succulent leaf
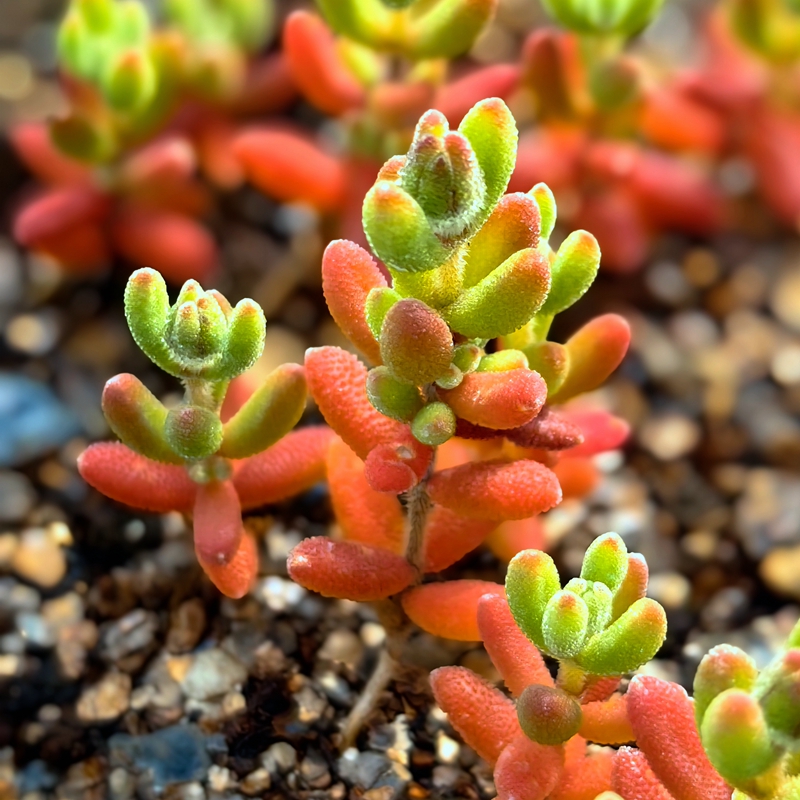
point(577, 477)
point(515, 656)
point(364, 515)
point(399, 104)
point(239, 391)
point(601, 431)
point(323, 78)
point(57, 211)
point(484, 717)
point(214, 143)
point(348, 570)
point(496, 490)
point(632, 778)
point(169, 159)
point(82, 249)
point(235, 578)
point(662, 718)
point(455, 452)
point(348, 274)
point(527, 770)
point(174, 244)
point(516, 535)
point(268, 87)
point(449, 609)
point(32, 144)
point(457, 97)
point(449, 537)
point(217, 522)
point(676, 195)
point(125, 476)
point(623, 231)
point(673, 120)
point(548, 155)
point(498, 400)
point(595, 351)
point(600, 688)
point(586, 778)
point(549, 430)
point(337, 381)
point(291, 466)
point(606, 721)
point(290, 167)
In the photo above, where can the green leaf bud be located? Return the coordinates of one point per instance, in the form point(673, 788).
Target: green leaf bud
point(614, 83)
point(503, 360)
point(504, 300)
point(415, 342)
point(778, 691)
point(400, 401)
point(724, 667)
point(565, 624)
point(548, 210)
point(82, 138)
point(633, 587)
point(397, 5)
point(131, 24)
point(736, 739)
point(434, 424)
point(130, 81)
point(442, 174)
point(251, 22)
point(193, 432)
point(146, 309)
point(598, 599)
point(268, 415)
point(548, 715)
point(531, 580)
point(606, 560)
point(75, 50)
point(247, 328)
point(450, 378)
point(629, 642)
point(137, 417)
point(379, 301)
point(551, 361)
point(467, 357)
point(448, 28)
point(398, 231)
point(573, 271)
point(491, 130)
point(625, 17)
point(368, 22)
point(97, 14)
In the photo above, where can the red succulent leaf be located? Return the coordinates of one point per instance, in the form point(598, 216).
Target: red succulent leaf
point(496, 490)
point(399, 104)
point(33, 145)
point(239, 391)
point(599, 688)
point(324, 79)
point(169, 159)
point(606, 721)
point(551, 155)
point(287, 165)
point(484, 717)
point(291, 466)
point(235, 578)
point(601, 431)
point(217, 522)
point(81, 249)
point(662, 718)
point(57, 211)
point(364, 515)
point(397, 468)
point(673, 120)
point(632, 778)
point(214, 146)
point(515, 656)
point(268, 87)
point(500, 400)
point(549, 430)
point(348, 274)
point(125, 476)
point(449, 609)
point(449, 537)
point(514, 536)
point(527, 770)
point(457, 97)
point(174, 244)
point(348, 570)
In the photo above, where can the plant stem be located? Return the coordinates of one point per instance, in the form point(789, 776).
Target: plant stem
point(419, 506)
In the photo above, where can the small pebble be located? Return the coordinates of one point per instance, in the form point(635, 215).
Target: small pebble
point(279, 758)
point(106, 700)
point(17, 496)
point(212, 674)
point(670, 436)
point(39, 559)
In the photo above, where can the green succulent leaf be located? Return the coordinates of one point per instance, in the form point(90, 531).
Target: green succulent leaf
point(573, 272)
point(193, 432)
point(393, 398)
point(606, 560)
point(434, 424)
point(548, 210)
point(565, 624)
point(531, 581)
